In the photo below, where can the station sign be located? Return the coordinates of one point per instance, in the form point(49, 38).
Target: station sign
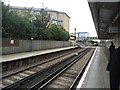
point(114, 30)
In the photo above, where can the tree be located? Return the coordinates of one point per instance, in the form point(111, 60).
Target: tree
point(5, 21)
point(42, 19)
point(24, 25)
point(14, 25)
point(67, 36)
point(58, 33)
point(41, 22)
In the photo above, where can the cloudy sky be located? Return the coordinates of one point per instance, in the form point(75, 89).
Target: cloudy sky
point(78, 10)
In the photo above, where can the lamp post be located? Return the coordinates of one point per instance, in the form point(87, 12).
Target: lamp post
point(75, 33)
point(31, 39)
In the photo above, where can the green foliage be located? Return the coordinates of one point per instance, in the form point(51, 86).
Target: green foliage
point(26, 25)
point(58, 33)
point(42, 19)
point(67, 36)
point(88, 43)
point(5, 16)
point(43, 34)
point(14, 26)
point(41, 22)
point(91, 41)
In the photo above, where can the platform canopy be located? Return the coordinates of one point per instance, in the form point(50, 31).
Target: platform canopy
point(106, 17)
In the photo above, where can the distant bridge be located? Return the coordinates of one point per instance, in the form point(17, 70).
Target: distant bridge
point(92, 38)
point(87, 38)
point(83, 38)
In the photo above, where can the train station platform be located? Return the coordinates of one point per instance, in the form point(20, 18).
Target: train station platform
point(95, 75)
point(10, 57)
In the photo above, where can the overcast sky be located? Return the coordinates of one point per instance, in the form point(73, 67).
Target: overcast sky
point(78, 10)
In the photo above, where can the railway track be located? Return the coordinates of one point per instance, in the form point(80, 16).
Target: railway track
point(68, 76)
point(41, 77)
point(19, 76)
point(23, 63)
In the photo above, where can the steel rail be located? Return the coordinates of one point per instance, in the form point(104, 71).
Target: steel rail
point(39, 63)
point(48, 79)
point(75, 82)
point(27, 78)
point(34, 65)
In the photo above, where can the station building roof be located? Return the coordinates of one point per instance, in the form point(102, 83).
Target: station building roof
point(106, 17)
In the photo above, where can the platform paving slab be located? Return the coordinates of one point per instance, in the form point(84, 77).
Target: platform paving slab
point(10, 57)
point(97, 76)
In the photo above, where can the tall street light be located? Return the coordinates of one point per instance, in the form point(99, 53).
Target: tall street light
point(75, 33)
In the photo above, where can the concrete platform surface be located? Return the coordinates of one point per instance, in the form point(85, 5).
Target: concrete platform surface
point(10, 57)
point(95, 75)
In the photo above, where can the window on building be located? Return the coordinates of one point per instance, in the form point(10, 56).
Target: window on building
point(60, 23)
point(54, 18)
point(48, 12)
point(60, 19)
point(54, 22)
